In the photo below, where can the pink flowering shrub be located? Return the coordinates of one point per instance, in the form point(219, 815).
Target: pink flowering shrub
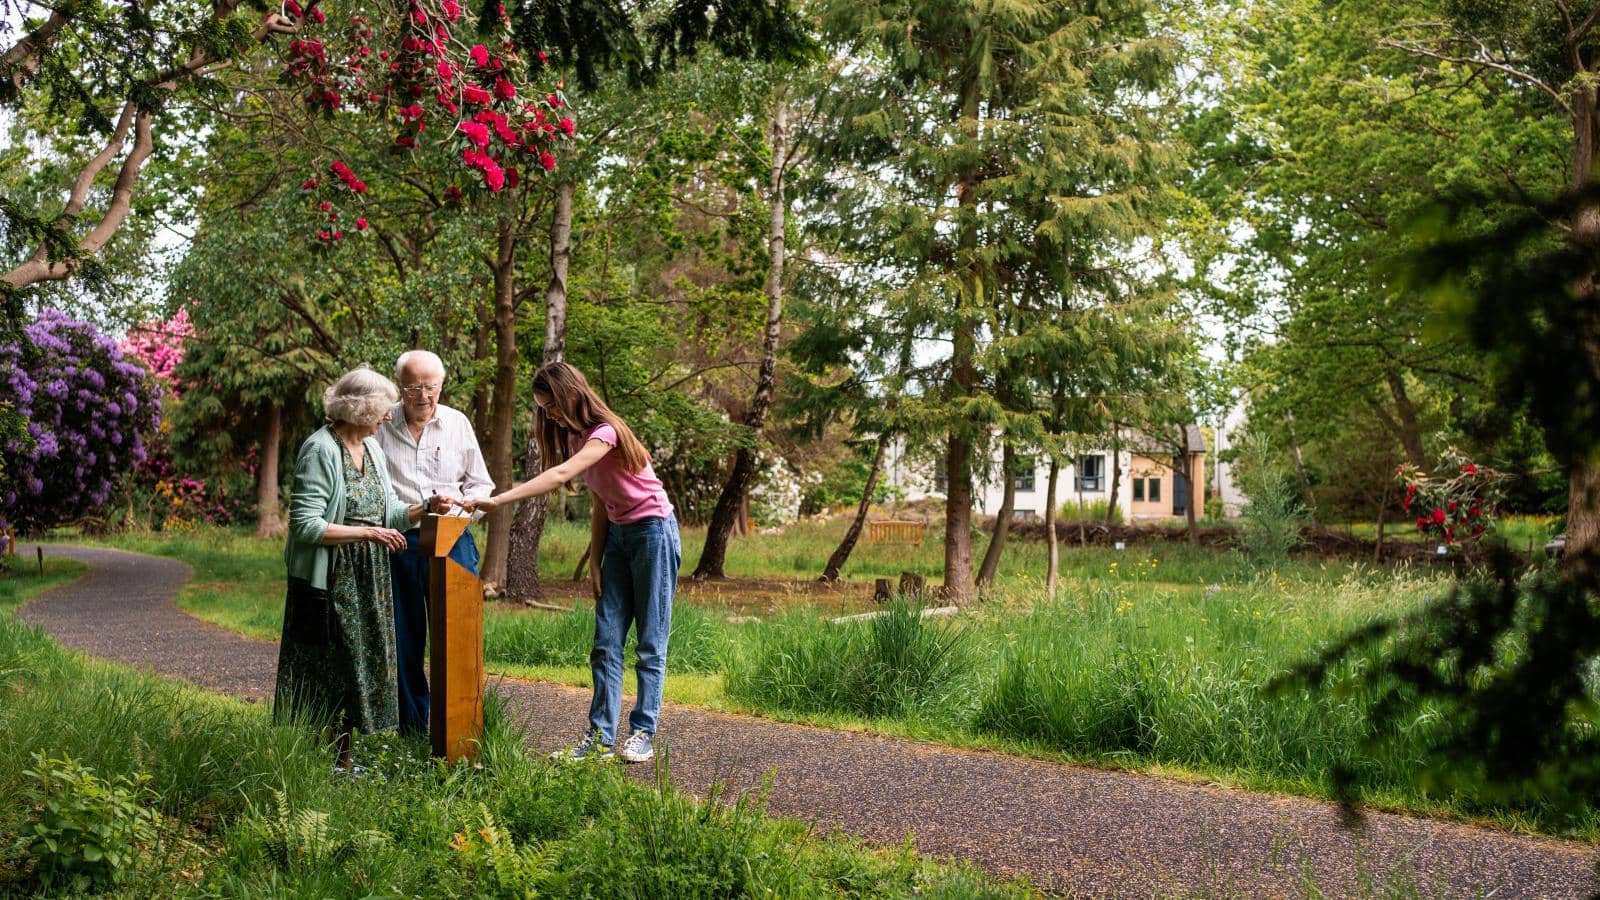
point(86, 408)
point(1456, 504)
point(159, 346)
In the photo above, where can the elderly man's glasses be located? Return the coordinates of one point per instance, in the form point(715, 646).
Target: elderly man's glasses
point(417, 390)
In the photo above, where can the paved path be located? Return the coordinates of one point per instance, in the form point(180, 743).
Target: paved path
point(1074, 830)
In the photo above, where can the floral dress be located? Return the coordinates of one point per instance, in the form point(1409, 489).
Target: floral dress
point(337, 658)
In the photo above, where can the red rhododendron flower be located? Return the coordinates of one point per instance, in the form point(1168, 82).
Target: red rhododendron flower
point(479, 54)
point(310, 184)
point(452, 10)
point(476, 132)
point(1438, 516)
point(452, 193)
point(1421, 523)
point(494, 178)
point(541, 57)
point(503, 88)
point(1470, 469)
point(474, 94)
point(548, 161)
point(337, 235)
point(513, 177)
point(318, 16)
point(566, 126)
point(323, 235)
point(293, 8)
point(325, 205)
point(554, 100)
point(361, 224)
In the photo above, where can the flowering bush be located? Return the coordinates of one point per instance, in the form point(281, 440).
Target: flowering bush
point(170, 500)
point(775, 497)
point(159, 346)
point(479, 97)
point(1454, 505)
point(86, 409)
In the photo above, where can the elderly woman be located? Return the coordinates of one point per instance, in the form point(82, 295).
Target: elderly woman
point(337, 658)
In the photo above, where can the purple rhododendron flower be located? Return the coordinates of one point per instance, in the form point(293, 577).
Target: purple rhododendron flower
point(76, 390)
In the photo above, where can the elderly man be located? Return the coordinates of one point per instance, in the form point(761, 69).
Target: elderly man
point(431, 450)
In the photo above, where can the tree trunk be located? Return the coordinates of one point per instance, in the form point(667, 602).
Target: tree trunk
point(1083, 513)
point(1410, 428)
point(1053, 565)
point(1300, 466)
point(1383, 510)
point(1583, 486)
point(1002, 524)
point(1116, 482)
point(269, 520)
point(958, 585)
point(732, 500)
point(504, 411)
point(841, 553)
point(1188, 485)
point(527, 530)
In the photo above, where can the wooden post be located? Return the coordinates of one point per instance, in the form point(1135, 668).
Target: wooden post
point(455, 643)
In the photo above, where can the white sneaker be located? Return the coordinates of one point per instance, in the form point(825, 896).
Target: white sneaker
point(639, 747)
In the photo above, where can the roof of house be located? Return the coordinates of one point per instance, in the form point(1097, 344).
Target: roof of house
point(1140, 442)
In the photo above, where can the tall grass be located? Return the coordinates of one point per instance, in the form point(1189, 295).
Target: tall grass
point(898, 664)
point(699, 639)
point(249, 808)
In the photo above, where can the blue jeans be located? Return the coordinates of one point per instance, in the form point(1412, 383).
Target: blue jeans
point(638, 576)
point(408, 572)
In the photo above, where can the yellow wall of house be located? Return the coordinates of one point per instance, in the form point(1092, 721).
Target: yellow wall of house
point(1159, 470)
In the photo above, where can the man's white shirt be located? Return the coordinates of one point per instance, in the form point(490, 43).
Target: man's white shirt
point(445, 460)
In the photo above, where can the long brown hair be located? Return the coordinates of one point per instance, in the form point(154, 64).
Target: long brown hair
point(570, 393)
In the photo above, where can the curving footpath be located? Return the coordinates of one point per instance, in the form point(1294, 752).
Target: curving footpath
point(1079, 831)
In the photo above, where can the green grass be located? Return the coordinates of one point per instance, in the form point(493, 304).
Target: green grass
point(248, 808)
point(24, 582)
point(1154, 658)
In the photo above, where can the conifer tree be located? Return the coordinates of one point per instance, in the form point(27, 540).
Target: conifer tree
point(986, 147)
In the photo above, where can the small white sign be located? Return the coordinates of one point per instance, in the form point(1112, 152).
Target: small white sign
point(1120, 545)
point(1442, 550)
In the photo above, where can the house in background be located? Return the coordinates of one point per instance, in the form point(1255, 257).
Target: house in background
point(1150, 486)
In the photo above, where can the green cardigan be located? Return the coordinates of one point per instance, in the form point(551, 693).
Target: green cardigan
point(317, 501)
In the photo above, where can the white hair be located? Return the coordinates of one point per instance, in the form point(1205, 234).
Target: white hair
point(413, 357)
point(360, 397)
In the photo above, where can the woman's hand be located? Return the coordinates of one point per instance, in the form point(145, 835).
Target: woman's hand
point(388, 537)
point(487, 504)
point(594, 581)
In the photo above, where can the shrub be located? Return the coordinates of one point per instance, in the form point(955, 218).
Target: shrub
point(87, 829)
point(86, 410)
point(1273, 520)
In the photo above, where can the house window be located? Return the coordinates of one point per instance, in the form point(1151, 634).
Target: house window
point(1022, 515)
point(1138, 489)
point(1091, 474)
point(1155, 490)
point(1024, 482)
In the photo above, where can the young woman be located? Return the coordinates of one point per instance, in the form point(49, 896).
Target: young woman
point(634, 552)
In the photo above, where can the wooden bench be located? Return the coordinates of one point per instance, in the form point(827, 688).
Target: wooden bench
point(892, 532)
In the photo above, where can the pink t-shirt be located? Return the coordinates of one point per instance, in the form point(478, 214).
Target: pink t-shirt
point(628, 496)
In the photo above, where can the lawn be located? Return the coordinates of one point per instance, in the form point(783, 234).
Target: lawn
point(129, 785)
point(1152, 658)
